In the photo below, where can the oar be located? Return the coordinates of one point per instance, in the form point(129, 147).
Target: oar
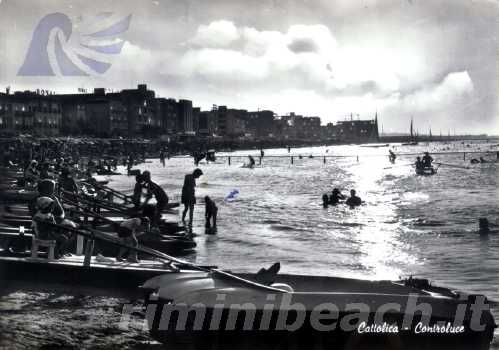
point(453, 165)
point(107, 189)
point(91, 233)
point(92, 201)
point(393, 166)
point(95, 234)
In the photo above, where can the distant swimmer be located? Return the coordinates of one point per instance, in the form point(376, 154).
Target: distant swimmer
point(474, 161)
point(353, 201)
point(484, 227)
point(325, 200)
point(427, 160)
point(392, 156)
point(336, 197)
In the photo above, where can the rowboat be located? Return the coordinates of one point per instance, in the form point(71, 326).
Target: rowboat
point(216, 309)
point(426, 171)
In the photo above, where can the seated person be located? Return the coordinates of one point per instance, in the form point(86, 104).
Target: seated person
point(66, 182)
point(427, 160)
point(354, 200)
point(418, 164)
point(31, 173)
point(47, 231)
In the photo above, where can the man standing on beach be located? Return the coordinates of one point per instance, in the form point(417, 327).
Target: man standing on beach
point(189, 195)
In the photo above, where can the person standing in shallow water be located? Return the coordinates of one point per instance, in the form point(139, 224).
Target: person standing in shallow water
point(189, 195)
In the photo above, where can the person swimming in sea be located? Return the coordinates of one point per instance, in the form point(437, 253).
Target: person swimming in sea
point(325, 200)
point(484, 227)
point(336, 197)
point(354, 200)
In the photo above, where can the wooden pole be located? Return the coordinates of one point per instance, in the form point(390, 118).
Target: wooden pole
point(229, 160)
point(292, 159)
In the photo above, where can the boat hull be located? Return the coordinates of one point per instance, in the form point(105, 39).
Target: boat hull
point(219, 312)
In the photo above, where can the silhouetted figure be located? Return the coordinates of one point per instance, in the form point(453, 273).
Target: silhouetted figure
point(336, 197)
point(427, 160)
point(210, 213)
point(325, 200)
point(483, 225)
point(154, 190)
point(392, 156)
point(418, 164)
point(189, 195)
point(127, 231)
point(353, 201)
point(137, 190)
point(251, 162)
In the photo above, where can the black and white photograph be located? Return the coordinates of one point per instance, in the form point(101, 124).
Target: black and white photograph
point(249, 174)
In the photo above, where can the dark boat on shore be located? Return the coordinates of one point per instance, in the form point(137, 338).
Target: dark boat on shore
point(214, 309)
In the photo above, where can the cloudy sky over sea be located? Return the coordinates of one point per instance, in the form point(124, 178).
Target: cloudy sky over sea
point(433, 60)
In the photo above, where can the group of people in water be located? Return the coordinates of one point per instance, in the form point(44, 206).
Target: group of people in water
point(336, 197)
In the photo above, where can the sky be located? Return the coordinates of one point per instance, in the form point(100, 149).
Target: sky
point(433, 61)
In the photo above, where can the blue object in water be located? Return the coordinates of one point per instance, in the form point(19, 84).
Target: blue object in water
point(232, 195)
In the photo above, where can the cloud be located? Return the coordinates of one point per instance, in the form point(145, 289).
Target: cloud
point(305, 56)
point(303, 45)
point(452, 99)
point(216, 34)
point(453, 87)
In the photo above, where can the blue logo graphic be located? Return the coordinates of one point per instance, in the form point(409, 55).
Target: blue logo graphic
point(60, 48)
point(232, 195)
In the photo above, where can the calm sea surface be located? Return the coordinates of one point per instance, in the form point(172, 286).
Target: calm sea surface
point(409, 225)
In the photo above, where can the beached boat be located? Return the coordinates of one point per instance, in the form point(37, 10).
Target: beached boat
point(213, 309)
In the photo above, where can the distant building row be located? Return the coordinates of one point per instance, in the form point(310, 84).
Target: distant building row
point(138, 112)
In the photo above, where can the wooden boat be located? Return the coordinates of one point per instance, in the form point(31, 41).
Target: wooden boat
point(426, 171)
point(17, 195)
point(175, 243)
point(99, 277)
point(213, 309)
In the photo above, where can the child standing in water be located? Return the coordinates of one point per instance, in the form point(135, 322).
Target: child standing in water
point(211, 211)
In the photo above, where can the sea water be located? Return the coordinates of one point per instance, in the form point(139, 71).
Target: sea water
point(424, 226)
